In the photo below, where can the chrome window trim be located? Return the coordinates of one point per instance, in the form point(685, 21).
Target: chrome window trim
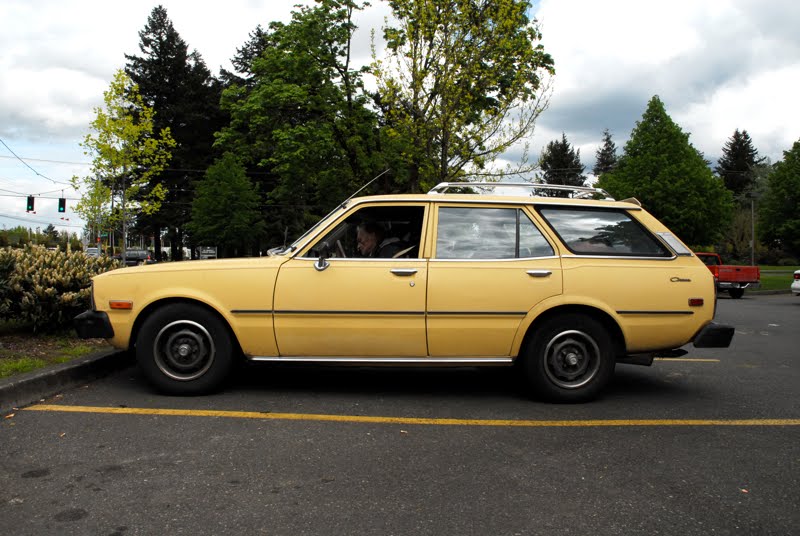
point(310, 238)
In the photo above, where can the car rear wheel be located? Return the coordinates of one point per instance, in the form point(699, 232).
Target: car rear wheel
point(184, 349)
point(736, 293)
point(569, 358)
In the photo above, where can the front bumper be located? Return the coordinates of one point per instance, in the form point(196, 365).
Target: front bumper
point(93, 325)
point(714, 335)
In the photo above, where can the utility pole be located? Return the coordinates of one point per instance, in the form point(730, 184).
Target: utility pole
point(752, 230)
point(124, 218)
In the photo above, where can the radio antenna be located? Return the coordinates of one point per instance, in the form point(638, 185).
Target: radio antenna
point(378, 176)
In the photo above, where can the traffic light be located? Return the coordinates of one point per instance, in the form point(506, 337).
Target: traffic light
point(62, 204)
point(30, 203)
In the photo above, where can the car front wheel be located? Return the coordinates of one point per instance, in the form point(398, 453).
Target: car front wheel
point(184, 349)
point(569, 358)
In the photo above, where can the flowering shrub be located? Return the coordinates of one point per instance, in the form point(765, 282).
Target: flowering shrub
point(46, 289)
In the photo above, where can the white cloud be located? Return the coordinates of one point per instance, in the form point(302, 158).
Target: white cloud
point(717, 65)
point(709, 62)
point(760, 104)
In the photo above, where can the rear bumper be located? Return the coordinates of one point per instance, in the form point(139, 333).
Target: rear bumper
point(93, 325)
point(714, 335)
point(727, 285)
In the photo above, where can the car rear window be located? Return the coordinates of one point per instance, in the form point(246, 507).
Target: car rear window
point(604, 232)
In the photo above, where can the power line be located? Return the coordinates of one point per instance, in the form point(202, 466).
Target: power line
point(40, 222)
point(28, 165)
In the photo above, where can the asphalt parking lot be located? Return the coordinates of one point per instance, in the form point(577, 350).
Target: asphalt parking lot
point(709, 444)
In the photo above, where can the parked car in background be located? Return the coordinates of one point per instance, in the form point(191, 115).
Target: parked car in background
point(564, 287)
point(731, 278)
point(135, 257)
point(796, 283)
point(92, 252)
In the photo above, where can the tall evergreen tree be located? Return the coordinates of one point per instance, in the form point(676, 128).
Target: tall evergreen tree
point(243, 60)
point(561, 163)
point(300, 123)
point(780, 206)
point(671, 178)
point(738, 163)
point(185, 97)
point(606, 155)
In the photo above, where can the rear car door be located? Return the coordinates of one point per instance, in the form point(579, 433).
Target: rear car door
point(490, 266)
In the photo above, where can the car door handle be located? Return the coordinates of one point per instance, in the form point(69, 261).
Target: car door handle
point(539, 273)
point(403, 271)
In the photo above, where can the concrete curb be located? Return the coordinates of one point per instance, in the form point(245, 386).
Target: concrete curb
point(25, 389)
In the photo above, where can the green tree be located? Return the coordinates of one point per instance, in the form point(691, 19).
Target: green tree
point(126, 155)
point(243, 60)
point(561, 164)
point(225, 211)
point(780, 206)
point(606, 156)
point(184, 95)
point(738, 163)
point(51, 235)
point(671, 178)
point(461, 83)
point(300, 123)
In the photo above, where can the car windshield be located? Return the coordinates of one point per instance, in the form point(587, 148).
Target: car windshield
point(296, 243)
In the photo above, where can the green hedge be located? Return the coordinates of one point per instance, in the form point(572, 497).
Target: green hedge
point(45, 289)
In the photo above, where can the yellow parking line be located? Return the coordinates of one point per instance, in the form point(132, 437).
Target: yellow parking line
point(687, 359)
point(413, 420)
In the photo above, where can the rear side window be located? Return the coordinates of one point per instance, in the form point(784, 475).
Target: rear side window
point(607, 232)
point(488, 233)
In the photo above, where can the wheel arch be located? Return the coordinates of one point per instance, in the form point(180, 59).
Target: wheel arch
point(154, 306)
point(606, 320)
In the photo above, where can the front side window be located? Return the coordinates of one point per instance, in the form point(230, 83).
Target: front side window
point(597, 231)
point(381, 232)
point(488, 233)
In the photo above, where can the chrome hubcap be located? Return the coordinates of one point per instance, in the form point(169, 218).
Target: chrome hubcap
point(183, 350)
point(572, 359)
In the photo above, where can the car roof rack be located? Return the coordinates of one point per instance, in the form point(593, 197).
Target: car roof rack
point(578, 192)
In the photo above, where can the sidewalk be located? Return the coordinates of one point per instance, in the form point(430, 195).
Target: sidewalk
point(25, 389)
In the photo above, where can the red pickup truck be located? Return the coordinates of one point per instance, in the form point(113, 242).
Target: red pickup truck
point(734, 279)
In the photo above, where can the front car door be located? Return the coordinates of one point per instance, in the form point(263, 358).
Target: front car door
point(352, 306)
point(491, 265)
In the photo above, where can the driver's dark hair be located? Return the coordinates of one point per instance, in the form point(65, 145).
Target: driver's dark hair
point(372, 227)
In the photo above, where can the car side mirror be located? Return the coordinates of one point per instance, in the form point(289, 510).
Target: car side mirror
point(324, 252)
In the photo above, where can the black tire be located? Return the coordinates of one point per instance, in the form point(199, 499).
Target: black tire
point(184, 349)
point(736, 293)
point(569, 358)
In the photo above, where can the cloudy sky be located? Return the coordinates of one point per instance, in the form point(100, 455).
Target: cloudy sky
point(718, 65)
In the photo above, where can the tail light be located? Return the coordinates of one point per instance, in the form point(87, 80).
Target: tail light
point(796, 276)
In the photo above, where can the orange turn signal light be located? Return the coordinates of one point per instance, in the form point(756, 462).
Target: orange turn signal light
point(120, 304)
point(695, 302)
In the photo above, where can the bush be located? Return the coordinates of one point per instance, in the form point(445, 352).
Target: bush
point(46, 289)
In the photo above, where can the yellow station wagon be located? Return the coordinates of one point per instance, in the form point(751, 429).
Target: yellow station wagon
point(563, 287)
